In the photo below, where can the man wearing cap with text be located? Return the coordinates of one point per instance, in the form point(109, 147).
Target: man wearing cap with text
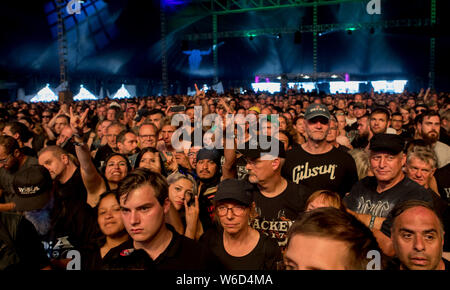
point(278, 201)
point(372, 198)
point(317, 164)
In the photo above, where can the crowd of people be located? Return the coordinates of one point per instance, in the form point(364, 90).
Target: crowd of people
point(345, 178)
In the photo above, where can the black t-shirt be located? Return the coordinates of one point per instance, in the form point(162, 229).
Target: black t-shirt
point(365, 199)
point(264, 256)
point(25, 242)
point(182, 254)
point(275, 215)
point(7, 177)
point(334, 170)
point(92, 259)
point(73, 189)
point(73, 226)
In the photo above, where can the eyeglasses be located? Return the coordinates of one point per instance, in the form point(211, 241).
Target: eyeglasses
point(237, 210)
point(3, 161)
point(46, 117)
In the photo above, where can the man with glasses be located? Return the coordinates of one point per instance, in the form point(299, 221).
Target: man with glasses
point(148, 134)
point(12, 163)
point(278, 201)
point(316, 163)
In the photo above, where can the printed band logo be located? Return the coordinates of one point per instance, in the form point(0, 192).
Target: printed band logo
point(302, 172)
point(29, 190)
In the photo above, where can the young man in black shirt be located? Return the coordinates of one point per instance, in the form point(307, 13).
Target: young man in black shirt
point(144, 202)
point(317, 164)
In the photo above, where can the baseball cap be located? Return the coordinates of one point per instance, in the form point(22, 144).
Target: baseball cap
point(317, 110)
point(253, 149)
point(255, 109)
point(32, 188)
point(234, 189)
point(391, 143)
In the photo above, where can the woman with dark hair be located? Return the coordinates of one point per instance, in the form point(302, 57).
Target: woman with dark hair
point(115, 168)
point(114, 233)
point(150, 158)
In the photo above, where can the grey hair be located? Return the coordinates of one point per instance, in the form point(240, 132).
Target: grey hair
point(361, 158)
point(423, 153)
point(174, 177)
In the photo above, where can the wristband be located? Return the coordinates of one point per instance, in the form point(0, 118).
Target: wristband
point(372, 222)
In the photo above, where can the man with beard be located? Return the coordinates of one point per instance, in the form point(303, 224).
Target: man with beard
point(127, 145)
point(362, 138)
point(317, 164)
point(209, 173)
point(428, 127)
point(12, 162)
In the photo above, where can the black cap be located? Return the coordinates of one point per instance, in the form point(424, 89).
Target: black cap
point(254, 150)
point(32, 187)
point(237, 190)
point(210, 154)
point(317, 110)
point(391, 143)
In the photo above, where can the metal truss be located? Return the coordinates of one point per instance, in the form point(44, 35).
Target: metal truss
point(221, 7)
point(320, 29)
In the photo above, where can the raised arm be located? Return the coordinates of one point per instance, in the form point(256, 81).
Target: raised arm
point(94, 183)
